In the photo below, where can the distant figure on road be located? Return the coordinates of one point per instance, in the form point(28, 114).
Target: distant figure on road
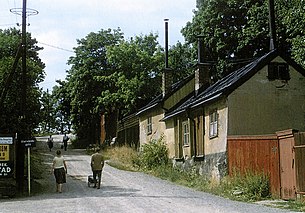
point(59, 168)
point(50, 143)
point(97, 164)
point(65, 141)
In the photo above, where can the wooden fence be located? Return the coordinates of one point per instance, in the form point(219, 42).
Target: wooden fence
point(256, 154)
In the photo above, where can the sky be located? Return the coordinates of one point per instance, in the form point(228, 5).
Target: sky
point(59, 23)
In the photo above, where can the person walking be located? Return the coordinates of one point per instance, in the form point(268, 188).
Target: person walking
point(97, 164)
point(65, 141)
point(59, 168)
point(50, 143)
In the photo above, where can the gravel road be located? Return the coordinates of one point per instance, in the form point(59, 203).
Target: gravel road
point(121, 191)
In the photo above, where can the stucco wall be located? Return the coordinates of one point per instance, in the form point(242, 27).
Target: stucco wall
point(260, 106)
point(219, 143)
point(158, 128)
point(170, 138)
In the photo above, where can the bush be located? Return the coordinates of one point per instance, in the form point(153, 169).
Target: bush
point(153, 154)
point(250, 186)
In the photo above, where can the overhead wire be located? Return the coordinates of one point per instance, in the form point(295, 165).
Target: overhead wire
point(56, 47)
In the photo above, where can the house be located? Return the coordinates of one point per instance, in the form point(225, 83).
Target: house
point(128, 131)
point(150, 115)
point(263, 97)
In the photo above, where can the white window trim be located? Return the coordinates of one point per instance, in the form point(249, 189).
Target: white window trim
point(149, 125)
point(185, 133)
point(213, 124)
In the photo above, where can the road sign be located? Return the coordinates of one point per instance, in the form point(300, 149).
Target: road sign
point(6, 140)
point(29, 143)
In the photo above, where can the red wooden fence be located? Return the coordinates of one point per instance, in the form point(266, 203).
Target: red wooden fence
point(256, 154)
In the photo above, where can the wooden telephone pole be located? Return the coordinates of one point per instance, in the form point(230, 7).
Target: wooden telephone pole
point(23, 131)
point(23, 42)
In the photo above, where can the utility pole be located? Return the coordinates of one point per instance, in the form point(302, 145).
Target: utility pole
point(23, 130)
point(23, 102)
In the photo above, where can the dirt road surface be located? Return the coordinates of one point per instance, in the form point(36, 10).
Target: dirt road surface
point(121, 191)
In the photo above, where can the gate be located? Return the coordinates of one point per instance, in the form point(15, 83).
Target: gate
point(292, 163)
point(299, 150)
point(287, 164)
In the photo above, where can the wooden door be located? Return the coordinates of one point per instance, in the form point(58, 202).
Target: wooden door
point(299, 149)
point(287, 165)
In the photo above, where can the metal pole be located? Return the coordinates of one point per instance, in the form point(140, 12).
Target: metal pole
point(166, 43)
point(273, 42)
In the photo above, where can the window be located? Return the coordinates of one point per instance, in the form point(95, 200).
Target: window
point(278, 71)
point(186, 133)
point(149, 125)
point(213, 124)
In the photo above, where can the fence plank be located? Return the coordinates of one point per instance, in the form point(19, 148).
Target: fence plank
point(256, 154)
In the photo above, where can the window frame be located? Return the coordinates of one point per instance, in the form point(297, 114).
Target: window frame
point(213, 124)
point(278, 71)
point(185, 133)
point(149, 125)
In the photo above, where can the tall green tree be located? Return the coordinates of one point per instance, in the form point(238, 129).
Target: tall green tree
point(12, 107)
point(114, 77)
point(89, 62)
point(62, 106)
point(136, 66)
point(236, 31)
point(47, 113)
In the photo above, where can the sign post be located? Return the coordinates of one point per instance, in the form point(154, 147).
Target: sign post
point(28, 144)
point(29, 171)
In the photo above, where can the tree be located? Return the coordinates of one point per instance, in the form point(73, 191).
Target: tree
point(219, 23)
point(115, 77)
point(47, 113)
point(62, 100)
point(182, 58)
point(19, 113)
point(136, 72)
point(89, 62)
point(236, 31)
point(12, 108)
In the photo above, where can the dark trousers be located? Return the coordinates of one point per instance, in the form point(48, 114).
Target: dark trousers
point(65, 145)
point(97, 173)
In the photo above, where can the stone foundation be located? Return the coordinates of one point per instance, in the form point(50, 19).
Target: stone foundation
point(212, 166)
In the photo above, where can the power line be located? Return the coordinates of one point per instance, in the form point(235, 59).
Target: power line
point(60, 48)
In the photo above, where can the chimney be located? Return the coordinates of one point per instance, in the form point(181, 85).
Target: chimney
point(272, 25)
point(167, 78)
point(202, 73)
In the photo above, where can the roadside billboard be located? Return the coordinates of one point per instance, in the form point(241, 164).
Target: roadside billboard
point(6, 156)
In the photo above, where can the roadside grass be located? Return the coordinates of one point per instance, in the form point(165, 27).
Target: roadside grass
point(246, 188)
point(121, 157)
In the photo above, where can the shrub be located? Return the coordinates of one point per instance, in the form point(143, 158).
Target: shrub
point(250, 186)
point(153, 154)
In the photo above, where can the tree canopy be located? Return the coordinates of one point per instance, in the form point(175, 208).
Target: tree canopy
point(112, 76)
point(12, 107)
point(236, 31)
